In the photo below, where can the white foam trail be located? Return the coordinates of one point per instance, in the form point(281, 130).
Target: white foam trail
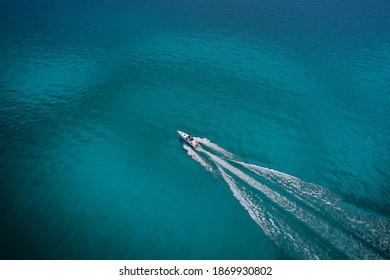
point(280, 232)
point(343, 241)
point(370, 229)
point(293, 184)
point(216, 148)
point(194, 155)
point(363, 226)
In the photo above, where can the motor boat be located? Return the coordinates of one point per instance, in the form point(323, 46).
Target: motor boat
point(189, 139)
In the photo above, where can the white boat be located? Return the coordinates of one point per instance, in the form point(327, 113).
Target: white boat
point(189, 139)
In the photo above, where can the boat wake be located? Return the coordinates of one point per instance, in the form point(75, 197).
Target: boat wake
point(303, 219)
point(195, 156)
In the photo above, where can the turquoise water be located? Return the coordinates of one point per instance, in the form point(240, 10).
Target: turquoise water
point(297, 93)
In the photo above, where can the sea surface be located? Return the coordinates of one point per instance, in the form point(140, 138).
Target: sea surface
point(290, 101)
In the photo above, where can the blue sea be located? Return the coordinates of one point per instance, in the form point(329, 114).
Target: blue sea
point(289, 100)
